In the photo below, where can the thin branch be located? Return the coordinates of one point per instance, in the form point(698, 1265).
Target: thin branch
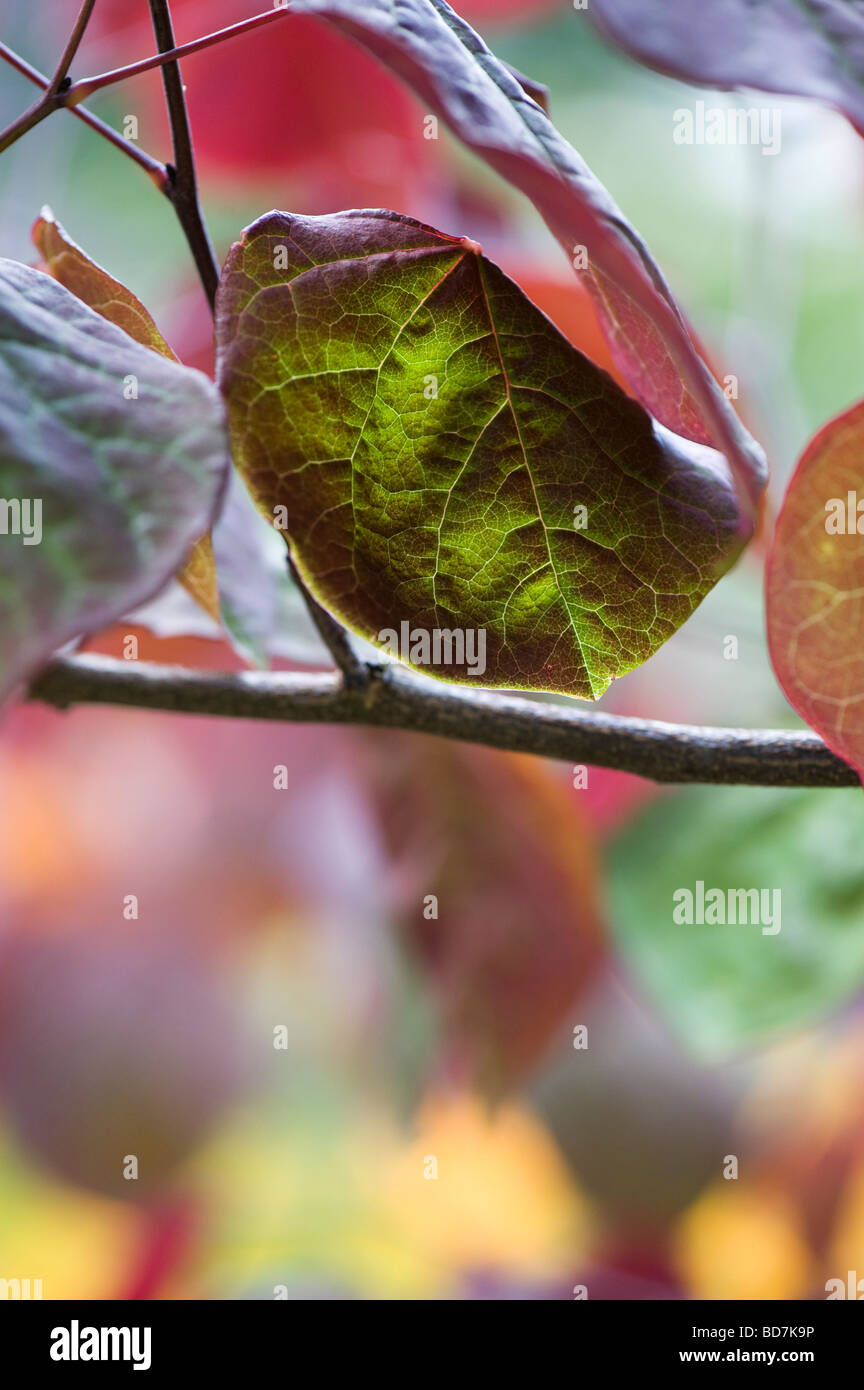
point(334, 636)
point(183, 188)
point(54, 94)
point(396, 698)
point(184, 196)
point(152, 167)
point(88, 85)
point(72, 46)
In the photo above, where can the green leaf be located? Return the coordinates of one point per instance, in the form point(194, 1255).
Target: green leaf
point(724, 986)
point(118, 452)
point(432, 437)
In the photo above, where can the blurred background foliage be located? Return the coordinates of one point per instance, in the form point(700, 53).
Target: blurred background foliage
point(412, 1041)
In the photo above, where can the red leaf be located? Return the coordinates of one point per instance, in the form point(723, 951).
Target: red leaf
point(294, 98)
point(518, 934)
point(525, 12)
point(815, 583)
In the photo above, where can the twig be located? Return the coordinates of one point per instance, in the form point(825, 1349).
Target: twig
point(156, 170)
point(88, 85)
point(183, 186)
point(72, 45)
point(185, 199)
point(355, 672)
point(396, 698)
point(54, 94)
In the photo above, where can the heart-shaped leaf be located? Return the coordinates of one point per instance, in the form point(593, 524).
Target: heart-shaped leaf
point(66, 262)
point(814, 586)
point(443, 459)
point(112, 461)
point(455, 75)
point(808, 48)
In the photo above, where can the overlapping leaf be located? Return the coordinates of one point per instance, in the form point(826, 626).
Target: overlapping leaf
point(119, 453)
point(431, 438)
point(809, 48)
point(66, 262)
point(815, 587)
point(63, 259)
point(455, 75)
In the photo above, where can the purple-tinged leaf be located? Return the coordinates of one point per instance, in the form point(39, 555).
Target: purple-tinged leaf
point(808, 48)
point(112, 463)
point(65, 261)
point(456, 76)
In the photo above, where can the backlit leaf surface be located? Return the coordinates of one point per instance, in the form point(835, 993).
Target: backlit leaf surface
point(431, 437)
point(815, 587)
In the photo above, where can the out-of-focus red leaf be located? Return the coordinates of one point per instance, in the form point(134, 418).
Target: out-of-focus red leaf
point(302, 98)
point(169, 1234)
point(570, 307)
point(631, 1272)
point(523, 12)
point(503, 848)
point(613, 798)
point(294, 99)
point(815, 588)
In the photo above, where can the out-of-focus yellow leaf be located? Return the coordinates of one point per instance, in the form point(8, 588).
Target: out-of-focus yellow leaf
point(347, 1203)
point(847, 1251)
point(500, 1198)
point(78, 1245)
point(737, 1243)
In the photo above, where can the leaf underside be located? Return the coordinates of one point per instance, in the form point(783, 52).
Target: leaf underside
point(809, 48)
point(431, 435)
point(125, 486)
point(65, 261)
